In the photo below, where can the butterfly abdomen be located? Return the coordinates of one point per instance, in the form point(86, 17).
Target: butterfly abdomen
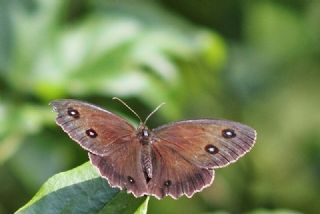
point(146, 162)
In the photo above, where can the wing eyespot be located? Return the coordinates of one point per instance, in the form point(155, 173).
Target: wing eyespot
point(91, 133)
point(73, 113)
point(228, 133)
point(131, 180)
point(211, 149)
point(167, 183)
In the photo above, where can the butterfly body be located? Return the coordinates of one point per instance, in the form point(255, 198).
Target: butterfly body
point(145, 139)
point(175, 159)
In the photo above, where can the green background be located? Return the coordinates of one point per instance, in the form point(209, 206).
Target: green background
point(256, 62)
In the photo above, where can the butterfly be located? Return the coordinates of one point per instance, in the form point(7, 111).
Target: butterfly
point(175, 159)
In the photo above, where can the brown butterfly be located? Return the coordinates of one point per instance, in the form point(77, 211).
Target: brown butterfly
point(175, 159)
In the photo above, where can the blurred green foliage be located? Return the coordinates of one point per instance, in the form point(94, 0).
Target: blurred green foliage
point(254, 62)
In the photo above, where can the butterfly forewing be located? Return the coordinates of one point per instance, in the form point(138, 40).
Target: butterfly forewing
point(207, 143)
point(95, 129)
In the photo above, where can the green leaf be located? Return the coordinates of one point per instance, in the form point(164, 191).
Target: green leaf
point(82, 190)
point(126, 204)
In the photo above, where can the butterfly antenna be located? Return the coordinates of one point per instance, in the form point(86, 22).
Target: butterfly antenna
point(156, 109)
point(126, 105)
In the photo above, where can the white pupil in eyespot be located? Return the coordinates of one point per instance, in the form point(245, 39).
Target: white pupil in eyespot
point(211, 149)
point(229, 133)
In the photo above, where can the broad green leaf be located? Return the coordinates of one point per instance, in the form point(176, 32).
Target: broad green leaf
point(126, 204)
point(82, 190)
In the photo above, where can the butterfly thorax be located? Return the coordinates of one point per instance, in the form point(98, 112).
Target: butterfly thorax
point(144, 135)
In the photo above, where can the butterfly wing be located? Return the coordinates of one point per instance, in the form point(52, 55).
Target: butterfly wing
point(94, 128)
point(110, 140)
point(186, 151)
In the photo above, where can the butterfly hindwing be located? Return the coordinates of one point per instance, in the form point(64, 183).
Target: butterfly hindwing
point(175, 175)
point(123, 167)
